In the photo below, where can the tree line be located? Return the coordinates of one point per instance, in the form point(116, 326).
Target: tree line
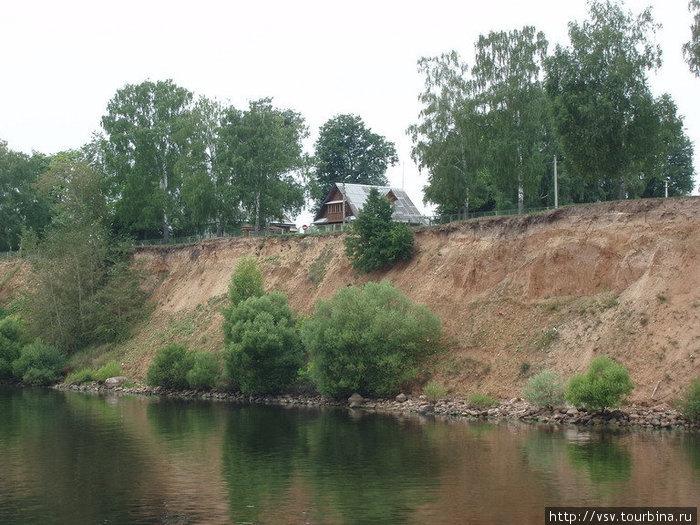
point(171, 163)
point(489, 134)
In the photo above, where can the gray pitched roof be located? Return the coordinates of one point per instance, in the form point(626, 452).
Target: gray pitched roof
point(404, 209)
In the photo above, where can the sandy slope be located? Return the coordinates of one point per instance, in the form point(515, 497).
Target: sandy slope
point(516, 295)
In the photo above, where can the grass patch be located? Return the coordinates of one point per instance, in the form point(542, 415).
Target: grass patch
point(111, 369)
point(317, 269)
point(548, 336)
point(434, 391)
point(481, 401)
point(80, 376)
point(9, 276)
point(610, 302)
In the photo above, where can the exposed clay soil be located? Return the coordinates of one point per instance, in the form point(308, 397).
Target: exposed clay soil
point(516, 295)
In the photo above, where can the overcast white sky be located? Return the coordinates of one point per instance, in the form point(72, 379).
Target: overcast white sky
point(62, 61)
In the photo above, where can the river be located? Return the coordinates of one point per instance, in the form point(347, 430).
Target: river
point(75, 458)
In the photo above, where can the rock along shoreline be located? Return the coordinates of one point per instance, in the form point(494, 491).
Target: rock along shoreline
point(656, 418)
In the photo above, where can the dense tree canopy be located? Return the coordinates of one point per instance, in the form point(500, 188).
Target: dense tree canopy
point(147, 135)
point(20, 207)
point(489, 135)
point(603, 108)
point(507, 77)
point(483, 131)
point(263, 149)
point(82, 290)
point(348, 151)
point(449, 139)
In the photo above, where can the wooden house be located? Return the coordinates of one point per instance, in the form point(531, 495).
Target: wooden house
point(352, 197)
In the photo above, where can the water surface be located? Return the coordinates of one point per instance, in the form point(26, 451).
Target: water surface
point(80, 458)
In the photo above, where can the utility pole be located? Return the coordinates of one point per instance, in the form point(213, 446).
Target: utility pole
point(556, 184)
point(666, 188)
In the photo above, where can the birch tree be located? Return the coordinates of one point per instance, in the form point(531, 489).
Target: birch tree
point(506, 75)
point(448, 140)
point(146, 137)
point(603, 108)
point(262, 151)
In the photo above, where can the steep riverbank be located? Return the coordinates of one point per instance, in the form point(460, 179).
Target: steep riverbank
point(516, 295)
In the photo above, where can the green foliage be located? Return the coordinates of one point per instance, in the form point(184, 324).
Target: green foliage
point(12, 338)
point(545, 389)
point(484, 133)
point(262, 146)
point(246, 281)
point(604, 112)
point(82, 290)
point(481, 401)
point(170, 366)
point(21, 208)
point(80, 376)
point(147, 134)
point(348, 151)
point(205, 372)
point(368, 339)
point(506, 74)
point(264, 351)
point(39, 364)
point(691, 49)
point(434, 391)
point(690, 404)
point(376, 240)
point(605, 383)
point(111, 369)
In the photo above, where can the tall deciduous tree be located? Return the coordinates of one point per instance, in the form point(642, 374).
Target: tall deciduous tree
point(507, 77)
point(346, 150)
point(448, 141)
point(673, 165)
point(691, 49)
point(262, 148)
point(602, 105)
point(483, 131)
point(209, 196)
point(146, 137)
point(21, 208)
point(82, 290)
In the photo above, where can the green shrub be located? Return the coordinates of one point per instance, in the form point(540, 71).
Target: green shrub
point(434, 391)
point(376, 240)
point(39, 364)
point(246, 281)
point(111, 369)
point(690, 404)
point(80, 376)
point(12, 339)
point(481, 401)
point(264, 352)
point(205, 372)
point(605, 383)
point(545, 389)
point(170, 366)
point(368, 339)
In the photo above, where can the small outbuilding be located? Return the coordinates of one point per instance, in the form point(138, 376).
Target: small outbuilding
point(351, 198)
